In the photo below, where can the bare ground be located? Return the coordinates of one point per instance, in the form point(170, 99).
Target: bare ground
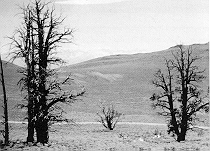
point(94, 137)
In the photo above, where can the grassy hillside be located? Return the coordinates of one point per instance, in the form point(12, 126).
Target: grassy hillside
point(125, 80)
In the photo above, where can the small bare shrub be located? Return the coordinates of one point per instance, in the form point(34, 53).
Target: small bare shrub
point(109, 116)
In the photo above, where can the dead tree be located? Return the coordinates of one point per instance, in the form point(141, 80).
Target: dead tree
point(37, 43)
point(6, 126)
point(181, 98)
point(109, 116)
point(24, 47)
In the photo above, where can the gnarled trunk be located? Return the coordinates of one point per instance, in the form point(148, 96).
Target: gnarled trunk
point(181, 136)
point(30, 137)
point(42, 130)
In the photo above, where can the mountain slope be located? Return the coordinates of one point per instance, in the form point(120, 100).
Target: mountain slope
point(125, 80)
point(12, 89)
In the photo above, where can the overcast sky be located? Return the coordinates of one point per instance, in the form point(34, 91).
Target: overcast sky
point(107, 27)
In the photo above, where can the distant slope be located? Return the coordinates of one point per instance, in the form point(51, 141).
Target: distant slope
point(199, 49)
point(125, 79)
point(13, 93)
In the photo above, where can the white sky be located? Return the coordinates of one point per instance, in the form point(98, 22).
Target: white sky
point(106, 27)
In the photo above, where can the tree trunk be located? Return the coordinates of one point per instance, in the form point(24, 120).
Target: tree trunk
point(109, 124)
point(183, 126)
point(181, 136)
point(31, 90)
point(42, 131)
point(175, 126)
point(184, 120)
point(173, 116)
point(6, 126)
point(30, 137)
point(42, 121)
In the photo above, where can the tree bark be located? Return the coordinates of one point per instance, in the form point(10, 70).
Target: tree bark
point(42, 130)
point(6, 126)
point(30, 137)
point(182, 135)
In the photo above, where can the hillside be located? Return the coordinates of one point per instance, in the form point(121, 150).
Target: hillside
point(125, 80)
point(13, 93)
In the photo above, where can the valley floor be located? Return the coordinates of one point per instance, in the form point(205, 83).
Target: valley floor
point(94, 137)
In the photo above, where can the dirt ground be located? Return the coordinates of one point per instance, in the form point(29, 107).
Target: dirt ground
point(94, 137)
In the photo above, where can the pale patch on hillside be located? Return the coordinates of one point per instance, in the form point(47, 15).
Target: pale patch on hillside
point(108, 77)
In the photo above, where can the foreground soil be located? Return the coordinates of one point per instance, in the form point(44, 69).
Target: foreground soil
point(94, 137)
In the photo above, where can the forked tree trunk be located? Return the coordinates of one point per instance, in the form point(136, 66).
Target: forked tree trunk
point(6, 126)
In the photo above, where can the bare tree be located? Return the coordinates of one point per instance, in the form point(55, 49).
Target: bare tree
point(6, 126)
point(181, 98)
point(24, 47)
point(109, 116)
point(37, 42)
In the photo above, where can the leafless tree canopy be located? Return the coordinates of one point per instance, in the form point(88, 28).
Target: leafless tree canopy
point(36, 41)
point(181, 97)
point(109, 116)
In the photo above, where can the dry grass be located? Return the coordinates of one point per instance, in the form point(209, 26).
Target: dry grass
point(124, 137)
